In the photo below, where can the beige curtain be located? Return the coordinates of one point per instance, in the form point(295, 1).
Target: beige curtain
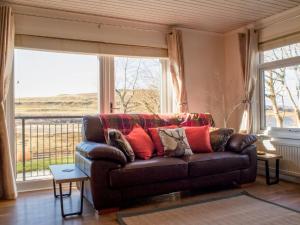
point(7, 178)
point(175, 54)
point(248, 43)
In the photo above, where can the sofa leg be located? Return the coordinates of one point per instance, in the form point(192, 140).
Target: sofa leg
point(108, 211)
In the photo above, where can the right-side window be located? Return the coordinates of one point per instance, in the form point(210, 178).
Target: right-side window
point(280, 87)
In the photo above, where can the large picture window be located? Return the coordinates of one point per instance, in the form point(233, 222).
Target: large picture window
point(280, 79)
point(53, 90)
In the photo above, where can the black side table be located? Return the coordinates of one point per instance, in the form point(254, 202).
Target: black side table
point(67, 173)
point(266, 158)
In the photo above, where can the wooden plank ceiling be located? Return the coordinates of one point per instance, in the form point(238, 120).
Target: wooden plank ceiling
point(211, 15)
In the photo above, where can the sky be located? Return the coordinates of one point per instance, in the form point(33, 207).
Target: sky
point(43, 74)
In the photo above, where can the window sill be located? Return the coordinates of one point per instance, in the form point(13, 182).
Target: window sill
point(284, 133)
point(269, 140)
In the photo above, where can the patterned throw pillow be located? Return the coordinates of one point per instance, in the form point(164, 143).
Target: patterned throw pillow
point(219, 138)
point(156, 138)
point(175, 142)
point(118, 140)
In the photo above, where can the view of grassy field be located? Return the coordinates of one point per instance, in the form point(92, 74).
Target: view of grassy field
point(70, 105)
point(45, 142)
point(84, 104)
point(49, 140)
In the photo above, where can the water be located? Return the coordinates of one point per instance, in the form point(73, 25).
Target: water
point(288, 122)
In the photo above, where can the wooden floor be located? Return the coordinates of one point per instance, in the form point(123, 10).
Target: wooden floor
point(40, 207)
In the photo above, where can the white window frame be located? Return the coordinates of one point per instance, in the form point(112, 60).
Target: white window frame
point(168, 102)
point(107, 80)
point(274, 132)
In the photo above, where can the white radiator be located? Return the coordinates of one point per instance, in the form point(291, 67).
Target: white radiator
point(290, 162)
point(285, 143)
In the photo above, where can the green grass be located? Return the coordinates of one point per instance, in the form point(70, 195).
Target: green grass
point(41, 164)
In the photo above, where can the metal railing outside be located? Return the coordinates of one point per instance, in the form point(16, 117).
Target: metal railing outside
point(41, 141)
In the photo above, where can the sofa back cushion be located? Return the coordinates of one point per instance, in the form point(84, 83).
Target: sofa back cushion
point(93, 128)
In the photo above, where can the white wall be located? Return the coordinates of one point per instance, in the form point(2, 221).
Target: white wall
point(204, 69)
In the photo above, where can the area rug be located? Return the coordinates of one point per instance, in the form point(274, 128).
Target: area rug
point(239, 209)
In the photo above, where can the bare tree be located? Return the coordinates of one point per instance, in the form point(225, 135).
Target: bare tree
point(128, 91)
point(294, 103)
point(131, 92)
point(270, 85)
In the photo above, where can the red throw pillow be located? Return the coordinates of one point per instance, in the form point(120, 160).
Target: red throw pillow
point(156, 139)
point(199, 139)
point(140, 142)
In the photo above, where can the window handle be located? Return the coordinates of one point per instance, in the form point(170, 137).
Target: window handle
point(112, 108)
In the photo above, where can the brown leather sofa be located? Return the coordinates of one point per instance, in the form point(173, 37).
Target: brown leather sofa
point(113, 180)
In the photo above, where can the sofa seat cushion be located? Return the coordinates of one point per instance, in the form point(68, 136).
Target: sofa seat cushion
point(205, 164)
point(154, 170)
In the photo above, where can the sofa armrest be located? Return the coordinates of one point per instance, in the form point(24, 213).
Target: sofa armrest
point(93, 150)
point(249, 174)
point(238, 142)
point(97, 190)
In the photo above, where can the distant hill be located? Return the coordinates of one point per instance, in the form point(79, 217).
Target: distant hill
point(77, 104)
point(82, 104)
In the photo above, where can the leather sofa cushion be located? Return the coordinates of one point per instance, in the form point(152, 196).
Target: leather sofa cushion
point(154, 170)
point(238, 142)
point(205, 164)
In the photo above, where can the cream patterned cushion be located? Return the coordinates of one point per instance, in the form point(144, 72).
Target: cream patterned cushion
point(175, 142)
